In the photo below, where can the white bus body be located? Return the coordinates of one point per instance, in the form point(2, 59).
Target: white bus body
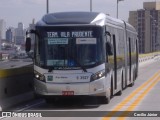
point(62, 62)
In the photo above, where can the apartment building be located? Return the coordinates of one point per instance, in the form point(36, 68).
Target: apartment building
point(147, 23)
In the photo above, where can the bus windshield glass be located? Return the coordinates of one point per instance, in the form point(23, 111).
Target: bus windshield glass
point(70, 47)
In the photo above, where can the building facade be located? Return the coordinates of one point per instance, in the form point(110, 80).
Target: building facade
point(19, 34)
point(10, 35)
point(147, 23)
point(32, 27)
point(2, 29)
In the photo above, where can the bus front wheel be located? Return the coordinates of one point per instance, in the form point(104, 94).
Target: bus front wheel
point(48, 100)
point(105, 99)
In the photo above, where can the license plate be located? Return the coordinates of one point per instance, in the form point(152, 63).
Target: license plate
point(67, 93)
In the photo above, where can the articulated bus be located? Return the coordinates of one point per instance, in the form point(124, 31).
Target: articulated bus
point(83, 54)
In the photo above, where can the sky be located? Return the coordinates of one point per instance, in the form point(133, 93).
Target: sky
point(14, 11)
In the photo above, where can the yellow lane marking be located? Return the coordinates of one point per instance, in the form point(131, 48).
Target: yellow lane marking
point(138, 100)
point(128, 99)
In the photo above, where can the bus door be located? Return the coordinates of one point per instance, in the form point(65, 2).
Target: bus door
point(129, 59)
point(115, 62)
point(136, 58)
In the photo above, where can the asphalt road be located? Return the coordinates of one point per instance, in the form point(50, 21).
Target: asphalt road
point(143, 99)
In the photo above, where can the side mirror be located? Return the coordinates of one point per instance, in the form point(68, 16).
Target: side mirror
point(108, 33)
point(28, 44)
point(109, 48)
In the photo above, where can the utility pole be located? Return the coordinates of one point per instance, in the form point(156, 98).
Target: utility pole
point(117, 6)
point(90, 5)
point(47, 6)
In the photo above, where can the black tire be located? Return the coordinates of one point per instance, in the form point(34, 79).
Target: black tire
point(104, 99)
point(48, 100)
point(36, 96)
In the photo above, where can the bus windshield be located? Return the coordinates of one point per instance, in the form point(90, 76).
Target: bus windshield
point(72, 48)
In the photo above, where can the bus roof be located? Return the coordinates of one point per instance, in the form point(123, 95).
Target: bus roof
point(72, 18)
point(83, 18)
point(113, 21)
point(120, 23)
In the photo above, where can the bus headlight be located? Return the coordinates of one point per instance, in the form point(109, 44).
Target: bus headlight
point(98, 75)
point(39, 76)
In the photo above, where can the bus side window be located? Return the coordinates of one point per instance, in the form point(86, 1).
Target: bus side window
point(109, 48)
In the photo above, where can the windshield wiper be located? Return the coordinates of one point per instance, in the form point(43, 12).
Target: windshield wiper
point(50, 69)
point(83, 68)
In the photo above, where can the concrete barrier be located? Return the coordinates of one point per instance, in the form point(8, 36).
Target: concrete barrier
point(147, 57)
point(16, 85)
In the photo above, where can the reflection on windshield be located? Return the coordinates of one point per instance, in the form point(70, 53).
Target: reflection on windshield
point(73, 52)
point(87, 54)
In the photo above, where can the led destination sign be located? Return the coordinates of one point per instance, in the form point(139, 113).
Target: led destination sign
point(70, 34)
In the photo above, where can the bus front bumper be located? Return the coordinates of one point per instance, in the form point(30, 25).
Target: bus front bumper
point(95, 88)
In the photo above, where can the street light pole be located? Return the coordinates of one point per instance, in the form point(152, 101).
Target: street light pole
point(117, 9)
point(90, 5)
point(47, 6)
point(117, 6)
